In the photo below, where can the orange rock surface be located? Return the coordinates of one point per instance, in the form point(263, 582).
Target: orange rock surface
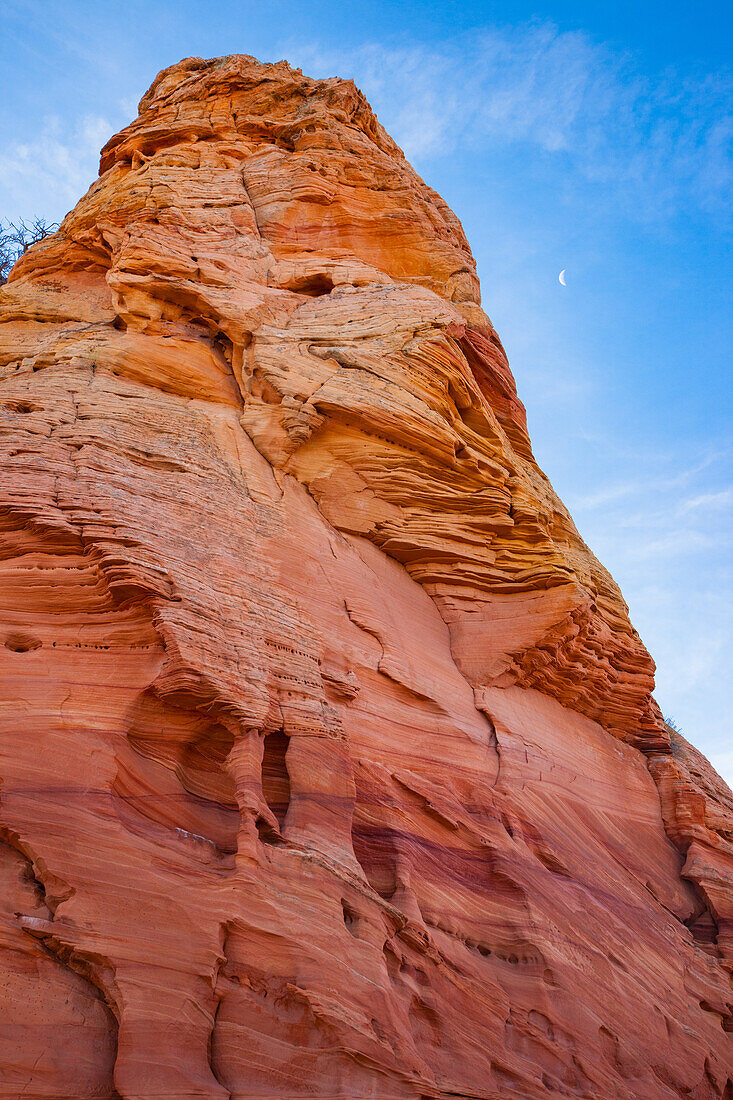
point(329, 764)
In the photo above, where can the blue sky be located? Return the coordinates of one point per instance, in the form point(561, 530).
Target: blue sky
point(595, 138)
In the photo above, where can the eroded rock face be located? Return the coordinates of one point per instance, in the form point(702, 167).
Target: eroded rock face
point(329, 764)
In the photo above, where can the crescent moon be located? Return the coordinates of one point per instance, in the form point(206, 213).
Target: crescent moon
point(561, 277)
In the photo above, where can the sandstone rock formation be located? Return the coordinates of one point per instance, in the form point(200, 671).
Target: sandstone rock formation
point(329, 764)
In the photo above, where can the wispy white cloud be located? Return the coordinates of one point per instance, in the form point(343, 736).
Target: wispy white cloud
point(51, 170)
point(56, 23)
point(654, 485)
point(666, 533)
point(128, 105)
point(719, 500)
point(656, 142)
point(722, 761)
point(609, 494)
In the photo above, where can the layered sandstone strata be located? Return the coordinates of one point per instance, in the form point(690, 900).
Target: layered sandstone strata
point(329, 764)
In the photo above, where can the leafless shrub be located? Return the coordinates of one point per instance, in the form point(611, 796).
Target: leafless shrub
point(16, 238)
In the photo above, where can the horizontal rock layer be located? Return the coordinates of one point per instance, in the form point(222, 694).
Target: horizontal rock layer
point(329, 764)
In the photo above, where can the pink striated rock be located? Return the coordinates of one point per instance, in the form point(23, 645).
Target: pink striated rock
point(329, 764)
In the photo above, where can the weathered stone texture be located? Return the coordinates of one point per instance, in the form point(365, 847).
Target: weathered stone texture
point(329, 764)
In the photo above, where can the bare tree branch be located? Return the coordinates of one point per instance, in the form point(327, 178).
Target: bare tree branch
point(16, 238)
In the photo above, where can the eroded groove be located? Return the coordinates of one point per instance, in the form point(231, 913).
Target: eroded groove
point(48, 937)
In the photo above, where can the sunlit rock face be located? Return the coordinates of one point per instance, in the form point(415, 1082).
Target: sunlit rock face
point(329, 765)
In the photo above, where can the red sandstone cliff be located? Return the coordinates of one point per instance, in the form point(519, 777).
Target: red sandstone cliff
point(329, 765)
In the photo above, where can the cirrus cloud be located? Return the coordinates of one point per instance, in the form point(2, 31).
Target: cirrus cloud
point(657, 143)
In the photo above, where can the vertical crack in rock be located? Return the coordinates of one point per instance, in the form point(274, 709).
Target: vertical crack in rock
point(275, 775)
point(220, 978)
point(55, 939)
